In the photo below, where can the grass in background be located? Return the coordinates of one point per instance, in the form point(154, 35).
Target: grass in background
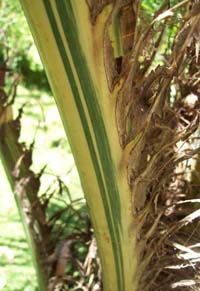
point(16, 268)
point(40, 123)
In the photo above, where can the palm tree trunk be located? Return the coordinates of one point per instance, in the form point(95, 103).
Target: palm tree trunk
point(113, 99)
